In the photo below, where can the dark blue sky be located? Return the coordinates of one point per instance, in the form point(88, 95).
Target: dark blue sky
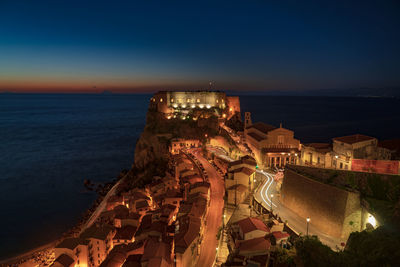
point(239, 45)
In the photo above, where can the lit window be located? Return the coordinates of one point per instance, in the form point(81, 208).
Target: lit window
point(217, 100)
point(188, 100)
point(161, 100)
point(172, 100)
point(198, 100)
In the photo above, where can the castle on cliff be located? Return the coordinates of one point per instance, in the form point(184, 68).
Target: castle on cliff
point(171, 103)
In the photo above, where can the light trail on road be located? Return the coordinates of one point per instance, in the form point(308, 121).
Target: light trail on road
point(264, 192)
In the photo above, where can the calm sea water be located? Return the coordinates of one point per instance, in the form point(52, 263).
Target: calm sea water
point(50, 143)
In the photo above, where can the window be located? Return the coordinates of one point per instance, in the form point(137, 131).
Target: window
point(341, 165)
point(97, 241)
point(98, 256)
point(280, 139)
point(161, 100)
point(198, 100)
point(319, 160)
point(172, 100)
point(98, 248)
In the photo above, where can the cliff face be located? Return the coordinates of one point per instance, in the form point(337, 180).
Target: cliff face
point(154, 142)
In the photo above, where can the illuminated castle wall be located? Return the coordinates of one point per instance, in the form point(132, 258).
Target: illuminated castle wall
point(169, 101)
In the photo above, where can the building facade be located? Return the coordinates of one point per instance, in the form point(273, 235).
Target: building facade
point(357, 146)
point(272, 147)
point(317, 155)
point(169, 102)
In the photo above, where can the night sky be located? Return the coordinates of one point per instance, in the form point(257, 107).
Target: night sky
point(136, 46)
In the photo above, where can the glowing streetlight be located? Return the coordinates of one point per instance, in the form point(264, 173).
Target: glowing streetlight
point(308, 221)
point(336, 161)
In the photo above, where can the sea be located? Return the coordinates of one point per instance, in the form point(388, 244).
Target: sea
point(51, 143)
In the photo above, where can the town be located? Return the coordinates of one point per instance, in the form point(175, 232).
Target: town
point(217, 191)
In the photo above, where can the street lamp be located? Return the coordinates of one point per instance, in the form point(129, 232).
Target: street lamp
point(272, 211)
point(336, 161)
point(308, 221)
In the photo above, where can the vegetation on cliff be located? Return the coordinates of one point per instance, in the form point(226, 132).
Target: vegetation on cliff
point(235, 123)
point(367, 248)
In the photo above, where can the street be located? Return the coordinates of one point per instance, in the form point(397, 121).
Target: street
point(214, 216)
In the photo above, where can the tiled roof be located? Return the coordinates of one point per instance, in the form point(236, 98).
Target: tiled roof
point(244, 170)
point(200, 184)
point(256, 137)
point(250, 224)
point(97, 232)
point(355, 138)
point(189, 229)
point(255, 244)
point(243, 160)
point(262, 127)
point(114, 259)
point(125, 233)
point(320, 147)
point(134, 216)
point(133, 261)
point(121, 212)
point(71, 243)
point(279, 235)
point(64, 260)
point(156, 249)
point(142, 204)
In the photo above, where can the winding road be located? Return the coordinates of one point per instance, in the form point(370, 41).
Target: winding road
point(214, 215)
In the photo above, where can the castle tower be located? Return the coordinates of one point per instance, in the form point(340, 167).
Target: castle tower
point(247, 119)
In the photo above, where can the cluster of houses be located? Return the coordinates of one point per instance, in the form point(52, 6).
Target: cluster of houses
point(160, 225)
point(250, 241)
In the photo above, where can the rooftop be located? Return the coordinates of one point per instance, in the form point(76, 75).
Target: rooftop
point(189, 229)
point(244, 170)
point(251, 224)
point(97, 232)
point(72, 243)
point(262, 127)
point(63, 260)
point(255, 244)
point(125, 233)
point(352, 139)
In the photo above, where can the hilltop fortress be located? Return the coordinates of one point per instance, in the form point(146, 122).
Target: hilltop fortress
point(173, 103)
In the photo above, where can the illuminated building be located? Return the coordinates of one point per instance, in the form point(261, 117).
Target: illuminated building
point(357, 146)
point(272, 146)
point(172, 102)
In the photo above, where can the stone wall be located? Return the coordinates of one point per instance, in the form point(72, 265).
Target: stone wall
point(335, 211)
